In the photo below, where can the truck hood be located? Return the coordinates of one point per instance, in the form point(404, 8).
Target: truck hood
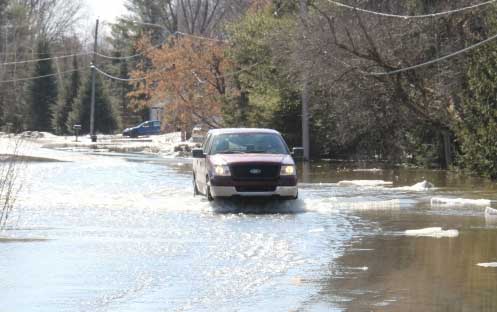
point(232, 159)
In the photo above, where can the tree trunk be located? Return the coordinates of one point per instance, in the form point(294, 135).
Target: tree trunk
point(447, 148)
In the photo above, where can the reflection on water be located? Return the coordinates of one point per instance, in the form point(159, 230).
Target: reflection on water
point(419, 274)
point(125, 233)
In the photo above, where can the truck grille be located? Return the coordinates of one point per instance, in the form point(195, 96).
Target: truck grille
point(256, 188)
point(255, 171)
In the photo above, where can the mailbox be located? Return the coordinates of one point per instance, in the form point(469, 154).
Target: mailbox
point(76, 129)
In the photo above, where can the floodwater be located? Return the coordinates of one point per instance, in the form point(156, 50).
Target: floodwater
point(122, 232)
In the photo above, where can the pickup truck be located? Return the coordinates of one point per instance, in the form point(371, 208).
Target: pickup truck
point(245, 162)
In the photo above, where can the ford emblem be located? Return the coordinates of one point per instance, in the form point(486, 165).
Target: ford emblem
point(255, 171)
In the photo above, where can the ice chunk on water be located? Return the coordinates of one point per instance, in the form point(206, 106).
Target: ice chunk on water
point(319, 230)
point(459, 201)
point(418, 187)
point(325, 206)
point(364, 268)
point(491, 212)
point(364, 183)
point(488, 265)
point(436, 232)
point(368, 170)
point(490, 216)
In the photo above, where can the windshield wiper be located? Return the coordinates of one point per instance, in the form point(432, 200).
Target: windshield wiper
point(231, 152)
point(259, 152)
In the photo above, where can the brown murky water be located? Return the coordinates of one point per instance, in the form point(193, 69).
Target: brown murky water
point(124, 233)
point(385, 270)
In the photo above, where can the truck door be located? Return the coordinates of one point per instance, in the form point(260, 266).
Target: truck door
point(201, 165)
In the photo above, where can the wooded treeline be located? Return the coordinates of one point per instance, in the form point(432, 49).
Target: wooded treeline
point(44, 69)
point(245, 63)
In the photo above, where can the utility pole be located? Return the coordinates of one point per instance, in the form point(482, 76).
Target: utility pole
point(93, 74)
point(305, 89)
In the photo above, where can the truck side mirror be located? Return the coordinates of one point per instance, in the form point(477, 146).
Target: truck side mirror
point(298, 153)
point(198, 153)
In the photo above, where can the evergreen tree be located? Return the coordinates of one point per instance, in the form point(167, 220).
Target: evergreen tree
point(478, 126)
point(106, 117)
point(42, 92)
point(122, 44)
point(64, 105)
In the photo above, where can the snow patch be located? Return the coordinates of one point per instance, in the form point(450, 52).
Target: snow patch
point(436, 232)
point(488, 265)
point(459, 201)
point(364, 183)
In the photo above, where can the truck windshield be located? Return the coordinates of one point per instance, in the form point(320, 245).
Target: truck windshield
point(234, 143)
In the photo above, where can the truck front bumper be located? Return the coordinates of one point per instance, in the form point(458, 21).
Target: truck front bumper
point(230, 191)
point(227, 187)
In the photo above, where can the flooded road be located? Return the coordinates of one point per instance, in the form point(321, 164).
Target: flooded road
point(122, 232)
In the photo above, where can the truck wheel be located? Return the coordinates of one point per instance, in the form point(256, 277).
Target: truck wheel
point(208, 191)
point(195, 188)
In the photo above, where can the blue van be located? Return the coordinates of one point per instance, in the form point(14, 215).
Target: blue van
point(150, 127)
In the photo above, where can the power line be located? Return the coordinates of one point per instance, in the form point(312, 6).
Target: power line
point(45, 59)
point(124, 58)
point(168, 69)
point(125, 79)
point(432, 61)
point(177, 32)
point(202, 38)
point(474, 6)
point(59, 53)
point(44, 76)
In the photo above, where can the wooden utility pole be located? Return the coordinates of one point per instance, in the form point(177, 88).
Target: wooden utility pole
point(305, 89)
point(93, 74)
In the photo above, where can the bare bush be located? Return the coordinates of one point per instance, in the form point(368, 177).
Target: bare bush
point(11, 165)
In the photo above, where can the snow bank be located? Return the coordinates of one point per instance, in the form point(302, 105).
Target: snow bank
point(488, 265)
point(436, 232)
point(459, 201)
point(37, 135)
point(418, 187)
point(364, 183)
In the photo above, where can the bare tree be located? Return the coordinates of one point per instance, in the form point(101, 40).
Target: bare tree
point(346, 47)
point(190, 16)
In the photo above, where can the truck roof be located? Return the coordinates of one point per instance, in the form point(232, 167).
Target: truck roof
point(242, 130)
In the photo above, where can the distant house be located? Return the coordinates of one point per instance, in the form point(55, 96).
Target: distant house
point(156, 111)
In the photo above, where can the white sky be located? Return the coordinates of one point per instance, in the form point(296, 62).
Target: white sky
point(105, 9)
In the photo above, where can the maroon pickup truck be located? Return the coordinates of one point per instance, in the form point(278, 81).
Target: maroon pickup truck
point(245, 162)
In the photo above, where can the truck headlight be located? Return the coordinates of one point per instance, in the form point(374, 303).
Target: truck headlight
point(288, 170)
point(222, 171)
